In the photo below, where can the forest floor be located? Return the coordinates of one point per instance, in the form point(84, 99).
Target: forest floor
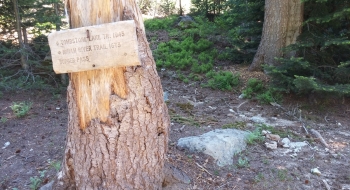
point(31, 148)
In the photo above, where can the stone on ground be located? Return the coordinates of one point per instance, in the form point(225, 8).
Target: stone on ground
point(221, 144)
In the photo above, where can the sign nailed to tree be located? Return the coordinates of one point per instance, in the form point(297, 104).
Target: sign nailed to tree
point(94, 47)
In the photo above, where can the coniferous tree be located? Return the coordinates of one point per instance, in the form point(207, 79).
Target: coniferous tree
point(244, 20)
point(322, 62)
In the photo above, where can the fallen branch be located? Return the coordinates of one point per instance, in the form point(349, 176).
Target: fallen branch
point(241, 105)
point(203, 168)
point(307, 132)
point(319, 136)
point(326, 184)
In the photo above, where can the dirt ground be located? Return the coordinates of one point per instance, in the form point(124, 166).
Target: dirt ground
point(37, 141)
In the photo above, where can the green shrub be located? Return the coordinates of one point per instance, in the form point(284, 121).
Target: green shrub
point(256, 89)
point(35, 183)
point(301, 77)
point(223, 80)
point(254, 137)
point(203, 68)
point(21, 109)
point(254, 86)
point(242, 162)
point(23, 81)
point(160, 23)
point(322, 64)
point(183, 54)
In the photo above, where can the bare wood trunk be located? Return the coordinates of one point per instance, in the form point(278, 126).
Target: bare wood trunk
point(282, 26)
point(118, 122)
point(24, 63)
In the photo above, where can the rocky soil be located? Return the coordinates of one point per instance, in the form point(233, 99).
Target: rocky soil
point(31, 148)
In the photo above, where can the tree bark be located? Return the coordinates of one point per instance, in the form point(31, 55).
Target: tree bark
point(180, 8)
point(58, 28)
point(282, 26)
point(24, 63)
point(118, 122)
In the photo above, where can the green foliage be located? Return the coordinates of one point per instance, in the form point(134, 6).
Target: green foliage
point(322, 64)
point(243, 21)
point(282, 174)
point(160, 23)
point(236, 125)
point(222, 80)
point(37, 19)
point(254, 86)
point(278, 131)
point(20, 109)
point(259, 177)
point(302, 77)
point(39, 16)
point(256, 89)
point(56, 165)
point(167, 7)
point(144, 5)
point(34, 183)
point(3, 119)
point(182, 54)
point(243, 162)
point(254, 137)
point(23, 81)
point(185, 120)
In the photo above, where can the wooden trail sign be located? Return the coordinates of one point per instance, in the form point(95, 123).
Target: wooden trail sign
point(94, 47)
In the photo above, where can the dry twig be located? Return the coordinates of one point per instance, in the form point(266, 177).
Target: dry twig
point(203, 168)
point(326, 184)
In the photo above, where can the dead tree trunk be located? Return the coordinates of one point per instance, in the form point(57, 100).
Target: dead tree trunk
point(282, 25)
point(118, 122)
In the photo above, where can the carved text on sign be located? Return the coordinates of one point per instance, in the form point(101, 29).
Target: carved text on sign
point(94, 47)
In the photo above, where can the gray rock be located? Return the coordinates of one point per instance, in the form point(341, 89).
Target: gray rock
point(166, 96)
point(47, 186)
point(285, 142)
point(297, 144)
point(258, 119)
point(174, 178)
point(221, 144)
point(185, 22)
point(272, 145)
point(6, 145)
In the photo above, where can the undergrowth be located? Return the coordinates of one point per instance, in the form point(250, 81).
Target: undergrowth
point(255, 89)
point(192, 54)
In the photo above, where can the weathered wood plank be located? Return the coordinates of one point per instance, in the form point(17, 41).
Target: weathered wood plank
point(95, 47)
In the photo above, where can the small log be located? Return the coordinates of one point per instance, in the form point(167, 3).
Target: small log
point(319, 136)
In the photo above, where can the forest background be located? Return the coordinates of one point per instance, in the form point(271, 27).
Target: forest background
point(220, 33)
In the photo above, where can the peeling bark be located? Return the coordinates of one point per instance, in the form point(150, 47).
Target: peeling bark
point(282, 25)
point(118, 122)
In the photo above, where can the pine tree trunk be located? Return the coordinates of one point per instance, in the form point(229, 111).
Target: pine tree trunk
point(118, 122)
point(58, 28)
point(24, 63)
point(282, 25)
